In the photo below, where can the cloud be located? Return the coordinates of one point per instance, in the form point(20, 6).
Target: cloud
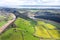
point(16, 3)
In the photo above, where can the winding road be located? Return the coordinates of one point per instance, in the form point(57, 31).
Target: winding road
point(8, 23)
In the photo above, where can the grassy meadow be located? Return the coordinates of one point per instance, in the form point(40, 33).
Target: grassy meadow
point(27, 30)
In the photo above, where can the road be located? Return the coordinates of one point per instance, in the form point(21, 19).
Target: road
point(8, 23)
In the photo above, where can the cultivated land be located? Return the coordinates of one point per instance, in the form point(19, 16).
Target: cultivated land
point(28, 29)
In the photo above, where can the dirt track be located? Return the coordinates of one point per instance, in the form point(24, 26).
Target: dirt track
point(8, 23)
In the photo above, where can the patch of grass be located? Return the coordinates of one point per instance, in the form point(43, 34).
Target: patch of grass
point(2, 23)
point(17, 34)
point(28, 36)
point(46, 30)
point(46, 25)
point(41, 32)
point(55, 33)
point(49, 26)
point(57, 25)
point(11, 34)
point(27, 30)
point(41, 29)
point(24, 25)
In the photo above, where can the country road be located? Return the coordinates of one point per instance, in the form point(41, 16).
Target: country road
point(8, 23)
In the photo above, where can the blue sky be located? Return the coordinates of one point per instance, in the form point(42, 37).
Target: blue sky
point(17, 3)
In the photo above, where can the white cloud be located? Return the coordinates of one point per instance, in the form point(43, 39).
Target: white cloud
point(16, 3)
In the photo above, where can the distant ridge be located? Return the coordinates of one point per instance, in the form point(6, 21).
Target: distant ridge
point(34, 6)
point(9, 8)
point(39, 6)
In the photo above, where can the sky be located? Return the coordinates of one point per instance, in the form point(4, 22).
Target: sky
point(17, 3)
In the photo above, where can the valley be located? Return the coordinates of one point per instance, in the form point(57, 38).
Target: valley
point(27, 27)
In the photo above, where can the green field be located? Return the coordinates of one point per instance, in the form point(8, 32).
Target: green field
point(29, 30)
point(2, 23)
point(3, 19)
point(11, 35)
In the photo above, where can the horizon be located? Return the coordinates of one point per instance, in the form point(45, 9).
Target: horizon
point(30, 3)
